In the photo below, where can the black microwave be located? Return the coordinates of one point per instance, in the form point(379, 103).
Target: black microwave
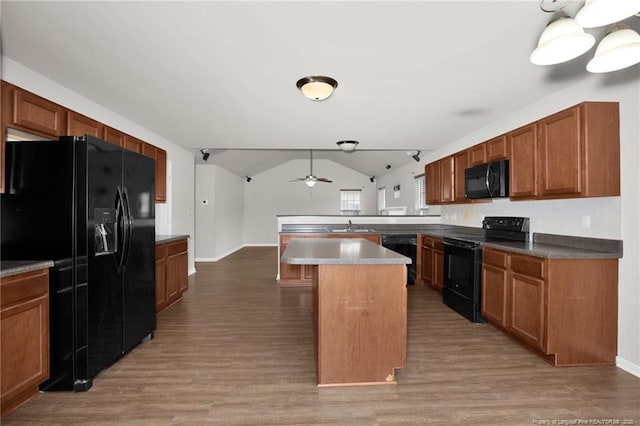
point(489, 180)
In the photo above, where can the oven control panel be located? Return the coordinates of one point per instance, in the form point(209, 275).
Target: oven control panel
point(506, 223)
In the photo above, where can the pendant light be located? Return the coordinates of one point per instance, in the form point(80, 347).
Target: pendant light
point(561, 41)
point(618, 50)
point(597, 13)
point(317, 88)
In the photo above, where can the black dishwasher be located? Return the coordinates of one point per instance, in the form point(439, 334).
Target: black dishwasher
point(405, 244)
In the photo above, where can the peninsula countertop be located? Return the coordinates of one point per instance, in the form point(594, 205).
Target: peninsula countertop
point(339, 251)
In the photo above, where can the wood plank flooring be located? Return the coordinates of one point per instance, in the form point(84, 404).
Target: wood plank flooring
point(238, 350)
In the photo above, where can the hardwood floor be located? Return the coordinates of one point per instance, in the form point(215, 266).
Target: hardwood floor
point(238, 350)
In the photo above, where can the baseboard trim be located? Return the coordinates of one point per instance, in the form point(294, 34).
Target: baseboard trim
point(628, 366)
point(230, 252)
point(192, 271)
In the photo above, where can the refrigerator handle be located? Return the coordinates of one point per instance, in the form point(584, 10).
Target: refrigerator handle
point(122, 227)
point(129, 228)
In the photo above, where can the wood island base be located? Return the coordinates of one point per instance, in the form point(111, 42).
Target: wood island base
point(360, 323)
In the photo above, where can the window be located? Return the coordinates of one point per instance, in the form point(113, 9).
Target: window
point(421, 203)
point(382, 199)
point(350, 201)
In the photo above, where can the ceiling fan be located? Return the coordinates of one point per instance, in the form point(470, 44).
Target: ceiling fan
point(311, 180)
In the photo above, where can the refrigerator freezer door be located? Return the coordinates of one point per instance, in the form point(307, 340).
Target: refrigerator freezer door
point(139, 268)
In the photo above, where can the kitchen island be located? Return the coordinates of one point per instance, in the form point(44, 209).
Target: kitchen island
point(359, 308)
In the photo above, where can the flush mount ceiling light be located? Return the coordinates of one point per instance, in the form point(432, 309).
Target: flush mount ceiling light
point(597, 13)
point(619, 49)
point(348, 146)
point(317, 88)
point(561, 41)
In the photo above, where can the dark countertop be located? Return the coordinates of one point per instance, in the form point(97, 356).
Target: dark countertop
point(169, 238)
point(546, 245)
point(339, 251)
point(15, 267)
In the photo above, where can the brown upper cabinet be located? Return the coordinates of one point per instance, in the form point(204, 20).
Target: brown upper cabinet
point(114, 136)
point(579, 152)
point(523, 177)
point(79, 125)
point(496, 149)
point(439, 181)
point(460, 163)
point(160, 157)
point(477, 155)
point(30, 113)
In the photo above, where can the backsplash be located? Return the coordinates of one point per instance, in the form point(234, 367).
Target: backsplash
point(585, 217)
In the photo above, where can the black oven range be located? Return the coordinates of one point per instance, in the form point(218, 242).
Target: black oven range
point(463, 263)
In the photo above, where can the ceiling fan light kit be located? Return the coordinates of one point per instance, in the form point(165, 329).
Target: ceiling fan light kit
point(318, 87)
point(565, 39)
point(348, 146)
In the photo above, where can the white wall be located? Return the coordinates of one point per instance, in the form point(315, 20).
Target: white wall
point(270, 194)
point(174, 217)
point(403, 176)
point(219, 221)
point(611, 217)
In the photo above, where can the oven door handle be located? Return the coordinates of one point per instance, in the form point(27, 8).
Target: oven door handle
point(461, 244)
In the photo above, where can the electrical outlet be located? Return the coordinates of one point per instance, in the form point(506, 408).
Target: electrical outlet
point(586, 222)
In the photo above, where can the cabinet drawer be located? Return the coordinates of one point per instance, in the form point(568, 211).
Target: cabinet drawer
point(177, 247)
point(494, 257)
point(527, 265)
point(24, 286)
point(161, 251)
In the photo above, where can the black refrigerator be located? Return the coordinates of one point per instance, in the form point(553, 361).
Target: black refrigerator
point(89, 206)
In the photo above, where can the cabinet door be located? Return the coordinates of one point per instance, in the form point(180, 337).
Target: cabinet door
point(133, 144)
point(438, 269)
point(183, 272)
point(160, 157)
point(25, 111)
point(161, 285)
point(496, 148)
point(494, 294)
point(523, 152)
point(477, 155)
point(114, 136)
point(432, 175)
point(78, 125)
point(527, 309)
point(427, 265)
point(173, 279)
point(560, 154)
point(307, 271)
point(287, 270)
point(446, 179)
point(460, 163)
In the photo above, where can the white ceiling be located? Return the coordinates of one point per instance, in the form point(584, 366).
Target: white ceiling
point(221, 75)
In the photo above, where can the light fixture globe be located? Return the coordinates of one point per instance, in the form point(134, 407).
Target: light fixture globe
point(348, 146)
point(561, 41)
point(317, 88)
point(618, 50)
point(597, 13)
point(311, 181)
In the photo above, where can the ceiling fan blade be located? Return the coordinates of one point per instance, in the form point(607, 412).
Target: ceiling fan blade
point(297, 179)
point(324, 180)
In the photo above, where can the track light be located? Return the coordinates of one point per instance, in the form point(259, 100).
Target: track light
point(416, 156)
point(372, 179)
point(205, 154)
point(248, 178)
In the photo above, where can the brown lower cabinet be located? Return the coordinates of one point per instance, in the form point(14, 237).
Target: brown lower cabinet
point(302, 275)
point(431, 262)
point(172, 275)
point(566, 310)
point(24, 338)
